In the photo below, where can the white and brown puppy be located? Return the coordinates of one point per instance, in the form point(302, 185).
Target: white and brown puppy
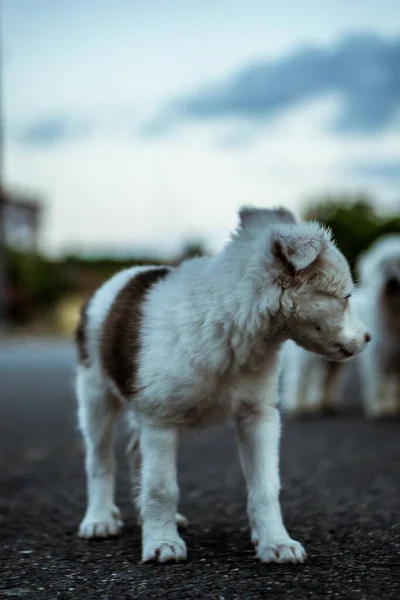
point(196, 345)
point(312, 384)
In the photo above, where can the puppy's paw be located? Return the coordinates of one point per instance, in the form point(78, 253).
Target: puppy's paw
point(288, 551)
point(103, 524)
point(164, 550)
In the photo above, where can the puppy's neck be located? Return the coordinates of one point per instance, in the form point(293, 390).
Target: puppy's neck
point(246, 301)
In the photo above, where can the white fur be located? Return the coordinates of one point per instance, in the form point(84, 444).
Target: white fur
point(306, 385)
point(210, 347)
point(97, 422)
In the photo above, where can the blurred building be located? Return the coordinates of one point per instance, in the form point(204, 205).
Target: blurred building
point(22, 217)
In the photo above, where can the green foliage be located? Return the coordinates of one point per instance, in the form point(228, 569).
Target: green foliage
point(40, 278)
point(102, 267)
point(33, 282)
point(354, 220)
point(191, 250)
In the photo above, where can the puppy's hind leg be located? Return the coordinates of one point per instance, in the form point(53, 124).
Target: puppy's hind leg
point(134, 456)
point(97, 413)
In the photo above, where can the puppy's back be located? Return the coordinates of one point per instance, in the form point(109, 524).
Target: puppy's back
point(103, 315)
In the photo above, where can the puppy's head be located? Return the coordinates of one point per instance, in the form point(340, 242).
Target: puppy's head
point(316, 288)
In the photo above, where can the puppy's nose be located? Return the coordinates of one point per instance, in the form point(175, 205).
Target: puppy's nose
point(367, 337)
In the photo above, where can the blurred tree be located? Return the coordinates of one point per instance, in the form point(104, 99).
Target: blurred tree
point(35, 283)
point(191, 249)
point(354, 220)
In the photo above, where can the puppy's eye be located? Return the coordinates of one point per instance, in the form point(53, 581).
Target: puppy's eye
point(347, 297)
point(318, 327)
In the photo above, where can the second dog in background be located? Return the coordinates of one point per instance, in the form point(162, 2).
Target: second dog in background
point(311, 384)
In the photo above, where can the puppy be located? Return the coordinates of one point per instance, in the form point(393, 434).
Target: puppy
point(312, 384)
point(199, 344)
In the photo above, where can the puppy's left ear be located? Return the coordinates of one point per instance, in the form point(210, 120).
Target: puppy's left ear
point(253, 218)
point(297, 248)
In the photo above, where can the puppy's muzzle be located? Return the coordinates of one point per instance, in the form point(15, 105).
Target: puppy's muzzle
point(350, 350)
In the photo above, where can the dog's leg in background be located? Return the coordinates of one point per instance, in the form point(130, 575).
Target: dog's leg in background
point(159, 496)
point(304, 381)
point(293, 388)
point(259, 435)
point(333, 372)
point(381, 396)
point(389, 393)
point(97, 415)
point(380, 392)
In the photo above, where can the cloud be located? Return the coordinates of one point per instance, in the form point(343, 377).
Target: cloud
point(53, 130)
point(363, 70)
point(388, 170)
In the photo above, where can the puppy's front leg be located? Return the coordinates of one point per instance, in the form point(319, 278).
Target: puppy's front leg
point(159, 496)
point(259, 435)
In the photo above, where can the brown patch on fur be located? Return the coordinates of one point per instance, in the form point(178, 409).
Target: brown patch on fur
point(81, 336)
point(120, 341)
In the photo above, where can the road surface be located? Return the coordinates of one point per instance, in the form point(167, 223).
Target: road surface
point(341, 499)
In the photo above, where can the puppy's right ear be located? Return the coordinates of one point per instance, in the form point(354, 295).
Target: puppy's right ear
point(296, 248)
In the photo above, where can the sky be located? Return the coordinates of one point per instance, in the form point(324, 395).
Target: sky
point(145, 125)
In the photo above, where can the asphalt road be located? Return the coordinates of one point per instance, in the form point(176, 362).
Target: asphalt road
point(341, 499)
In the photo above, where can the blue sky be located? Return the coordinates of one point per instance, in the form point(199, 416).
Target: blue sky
point(145, 124)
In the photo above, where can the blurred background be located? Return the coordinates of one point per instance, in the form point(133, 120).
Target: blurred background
point(133, 131)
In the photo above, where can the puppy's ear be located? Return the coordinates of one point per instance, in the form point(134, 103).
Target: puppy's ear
point(251, 218)
point(297, 248)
